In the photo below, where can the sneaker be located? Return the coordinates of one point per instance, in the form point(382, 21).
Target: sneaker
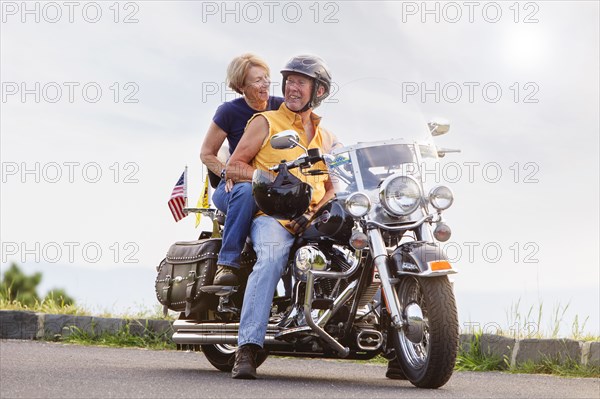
point(245, 362)
point(225, 276)
point(394, 372)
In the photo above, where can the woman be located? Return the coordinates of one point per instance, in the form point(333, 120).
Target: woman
point(248, 75)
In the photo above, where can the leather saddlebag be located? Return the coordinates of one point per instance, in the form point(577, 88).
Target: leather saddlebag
point(189, 265)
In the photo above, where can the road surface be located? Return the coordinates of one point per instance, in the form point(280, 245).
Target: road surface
point(31, 369)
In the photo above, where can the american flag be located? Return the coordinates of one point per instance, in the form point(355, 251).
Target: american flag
point(178, 198)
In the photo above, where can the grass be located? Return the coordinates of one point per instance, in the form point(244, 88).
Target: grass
point(475, 360)
point(564, 369)
point(50, 306)
point(530, 324)
point(122, 339)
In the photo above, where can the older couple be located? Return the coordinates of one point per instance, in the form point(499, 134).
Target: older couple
point(248, 123)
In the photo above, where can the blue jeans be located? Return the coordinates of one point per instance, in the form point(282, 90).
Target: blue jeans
point(272, 243)
point(239, 206)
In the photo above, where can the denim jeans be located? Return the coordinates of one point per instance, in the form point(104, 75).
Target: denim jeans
point(272, 243)
point(239, 206)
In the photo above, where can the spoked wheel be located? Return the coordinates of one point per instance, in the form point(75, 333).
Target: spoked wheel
point(222, 356)
point(428, 343)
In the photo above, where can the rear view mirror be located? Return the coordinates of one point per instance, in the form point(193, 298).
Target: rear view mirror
point(437, 127)
point(284, 140)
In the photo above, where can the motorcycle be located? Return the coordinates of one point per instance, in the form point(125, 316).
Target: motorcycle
point(369, 275)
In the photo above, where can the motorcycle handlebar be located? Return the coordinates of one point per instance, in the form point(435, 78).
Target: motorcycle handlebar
point(290, 164)
point(313, 156)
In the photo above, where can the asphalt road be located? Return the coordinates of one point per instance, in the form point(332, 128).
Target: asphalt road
point(30, 369)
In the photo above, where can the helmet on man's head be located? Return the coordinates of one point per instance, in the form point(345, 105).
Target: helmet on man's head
point(313, 67)
point(283, 196)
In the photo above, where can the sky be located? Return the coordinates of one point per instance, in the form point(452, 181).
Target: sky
point(105, 103)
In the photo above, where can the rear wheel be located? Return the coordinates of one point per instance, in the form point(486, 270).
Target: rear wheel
point(427, 344)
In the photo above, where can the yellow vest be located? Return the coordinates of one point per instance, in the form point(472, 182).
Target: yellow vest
point(284, 119)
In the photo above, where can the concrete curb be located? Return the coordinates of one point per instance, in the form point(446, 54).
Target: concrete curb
point(30, 325)
point(535, 350)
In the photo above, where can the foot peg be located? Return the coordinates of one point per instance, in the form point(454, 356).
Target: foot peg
point(219, 290)
point(223, 292)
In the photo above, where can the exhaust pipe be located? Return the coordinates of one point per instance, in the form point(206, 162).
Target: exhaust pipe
point(369, 340)
point(215, 328)
point(194, 338)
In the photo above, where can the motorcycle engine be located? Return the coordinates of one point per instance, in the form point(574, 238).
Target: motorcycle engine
point(333, 258)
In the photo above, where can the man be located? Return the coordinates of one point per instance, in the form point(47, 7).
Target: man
point(306, 82)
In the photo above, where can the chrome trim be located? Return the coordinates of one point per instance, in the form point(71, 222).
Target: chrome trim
point(338, 303)
point(292, 331)
point(308, 298)
point(378, 340)
point(380, 259)
point(368, 294)
point(285, 139)
point(429, 273)
point(194, 338)
point(438, 127)
point(189, 325)
point(346, 274)
point(358, 146)
point(425, 233)
point(427, 218)
point(210, 212)
point(291, 315)
point(416, 323)
point(308, 257)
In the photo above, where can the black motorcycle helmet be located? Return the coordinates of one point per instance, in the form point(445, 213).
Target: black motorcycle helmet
point(313, 67)
point(283, 196)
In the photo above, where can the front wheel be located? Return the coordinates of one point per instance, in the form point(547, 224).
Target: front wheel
point(222, 356)
point(427, 344)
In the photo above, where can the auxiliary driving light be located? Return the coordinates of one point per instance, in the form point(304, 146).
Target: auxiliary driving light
point(358, 204)
point(441, 197)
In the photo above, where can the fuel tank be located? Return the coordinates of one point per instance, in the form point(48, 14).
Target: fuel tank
point(331, 221)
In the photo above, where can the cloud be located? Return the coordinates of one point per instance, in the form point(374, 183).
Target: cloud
point(161, 80)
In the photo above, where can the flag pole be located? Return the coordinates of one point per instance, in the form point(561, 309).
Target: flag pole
point(185, 180)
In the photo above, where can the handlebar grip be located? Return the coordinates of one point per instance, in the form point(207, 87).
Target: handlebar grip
point(289, 165)
point(313, 156)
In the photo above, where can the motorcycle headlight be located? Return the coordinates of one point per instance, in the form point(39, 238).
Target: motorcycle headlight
point(441, 197)
point(358, 204)
point(400, 195)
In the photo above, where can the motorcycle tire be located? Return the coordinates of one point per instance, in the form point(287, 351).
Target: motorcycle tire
point(428, 363)
point(222, 356)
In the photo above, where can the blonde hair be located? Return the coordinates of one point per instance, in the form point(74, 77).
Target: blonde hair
point(238, 70)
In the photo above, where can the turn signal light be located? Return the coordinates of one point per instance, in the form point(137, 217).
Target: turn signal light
point(442, 232)
point(359, 240)
point(440, 265)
